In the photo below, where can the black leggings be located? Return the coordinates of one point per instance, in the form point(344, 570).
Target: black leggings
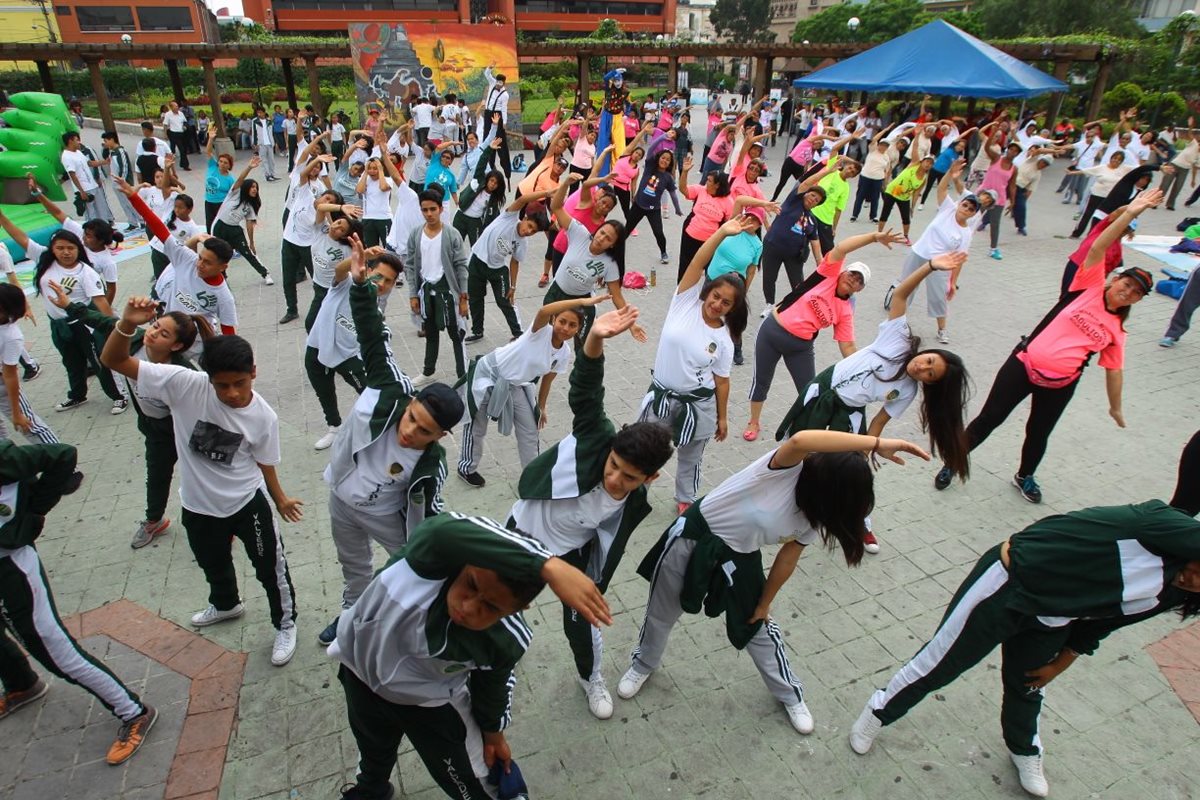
point(792, 261)
point(930, 182)
point(1187, 490)
point(623, 199)
point(790, 170)
point(869, 190)
point(904, 207)
point(1010, 388)
point(1085, 218)
point(654, 217)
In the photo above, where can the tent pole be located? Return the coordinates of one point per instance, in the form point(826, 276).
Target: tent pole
point(1021, 114)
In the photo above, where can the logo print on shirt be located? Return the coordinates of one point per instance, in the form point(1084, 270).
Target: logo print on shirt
point(215, 443)
point(1092, 328)
point(68, 283)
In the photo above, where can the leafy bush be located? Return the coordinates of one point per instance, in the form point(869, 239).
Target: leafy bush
point(1122, 96)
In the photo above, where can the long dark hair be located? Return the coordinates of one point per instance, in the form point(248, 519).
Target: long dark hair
point(836, 492)
point(738, 315)
point(103, 232)
point(942, 406)
point(722, 180)
point(247, 199)
point(1191, 605)
point(670, 168)
point(47, 257)
point(187, 201)
point(496, 199)
point(189, 326)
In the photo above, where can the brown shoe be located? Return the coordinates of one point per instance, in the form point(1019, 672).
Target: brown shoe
point(131, 736)
point(11, 701)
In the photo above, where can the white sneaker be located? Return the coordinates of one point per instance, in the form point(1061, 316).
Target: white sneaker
point(943, 336)
point(211, 616)
point(326, 441)
point(119, 405)
point(422, 380)
point(631, 683)
point(800, 717)
point(920, 207)
point(285, 646)
point(268, 280)
point(599, 700)
point(864, 730)
point(1029, 770)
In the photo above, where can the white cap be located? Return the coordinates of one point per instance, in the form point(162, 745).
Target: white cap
point(861, 268)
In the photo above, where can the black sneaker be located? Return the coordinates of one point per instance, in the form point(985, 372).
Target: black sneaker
point(327, 636)
point(290, 316)
point(473, 337)
point(473, 478)
point(738, 358)
point(73, 483)
point(31, 372)
point(352, 792)
point(69, 404)
point(943, 478)
point(1028, 487)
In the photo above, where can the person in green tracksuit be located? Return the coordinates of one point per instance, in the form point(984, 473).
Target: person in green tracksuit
point(480, 200)
point(1048, 595)
point(165, 342)
point(584, 497)
point(428, 650)
point(386, 467)
point(32, 481)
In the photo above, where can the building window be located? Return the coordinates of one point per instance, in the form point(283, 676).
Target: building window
point(105, 18)
point(165, 18)
point(601, 7)
point(368, 5)
point(62, 11)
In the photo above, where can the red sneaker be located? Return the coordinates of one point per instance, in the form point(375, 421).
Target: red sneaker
point(870, 543)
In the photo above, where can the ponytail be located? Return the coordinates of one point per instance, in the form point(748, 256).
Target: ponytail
point(188, 327)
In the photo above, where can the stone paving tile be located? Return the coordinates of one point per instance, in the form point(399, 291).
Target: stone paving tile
point(704, 726)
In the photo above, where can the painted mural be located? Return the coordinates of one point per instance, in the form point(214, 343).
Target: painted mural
point(397, 62)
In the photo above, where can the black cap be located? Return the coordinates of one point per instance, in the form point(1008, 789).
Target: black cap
point(443, 404)
point(1142, 277)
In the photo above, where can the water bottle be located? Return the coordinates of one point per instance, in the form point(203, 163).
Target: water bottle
point(653, 277)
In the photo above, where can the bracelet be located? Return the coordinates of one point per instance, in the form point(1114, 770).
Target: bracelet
point(35, 192)
point(117, 328)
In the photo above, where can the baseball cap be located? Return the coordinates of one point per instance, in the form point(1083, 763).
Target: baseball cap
point(443, 404)
point(992, 193)
point(970, 196)
point(756, 211)
point(1046, 159)
point(1141, 276)
point(862, 269)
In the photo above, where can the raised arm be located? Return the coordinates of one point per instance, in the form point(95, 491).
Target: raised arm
point(19, 236)
point(801, 443)
point(560, 196)
point(47, 203)
point(1111, 234)
point(526, 199)
point(115, 356)
point(368, 322)
point(699, 263)
point(952, 176)
point(250, 167)
point(950, 262)
point(851, 243)
point(548, 311)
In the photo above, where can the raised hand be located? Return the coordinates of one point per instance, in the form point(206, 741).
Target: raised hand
point(891, 448)
point(124, 187)
point(140, 310)
point(595, 299)
point(358, 260)
point(615, 322)
point(60, 297)
point(948, 261)
point(889, 237)
point(255, 162)
point(1145, 200)
point(352, 211)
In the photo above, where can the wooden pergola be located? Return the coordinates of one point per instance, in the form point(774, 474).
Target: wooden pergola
point(764, 55)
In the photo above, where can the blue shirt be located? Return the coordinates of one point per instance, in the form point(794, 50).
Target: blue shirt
point(277, 122)
point(794, 226)
point(945, 159)
point(441, 175)
point(216, 185)
point(735, 254)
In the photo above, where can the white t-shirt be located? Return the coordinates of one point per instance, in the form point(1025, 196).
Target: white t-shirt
point(582, 271)
point(161, 149)
point(861, 378)
point(450, 114)
point(377, 203)
point(422, 115)
point(181, 288)
point(75, 161)
point(103, 261)
point(233, 212)
point(289, 126)
point(301, 228)
point(184, 229)
point(327, 253)
point(499, 242)
point(337, 132)
point(689, 351)
point(12, 344)
point(6, 260)
point(532, 355)
point(174, 121)
point(81, 282)
point(568, 524)
point(944, 234)
point(756, 507)
point(380, 480)
point(219, 447)
point(333, 332)
point(432, 268)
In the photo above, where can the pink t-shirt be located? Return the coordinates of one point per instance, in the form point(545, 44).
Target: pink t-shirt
point(581, 215)
point(622, 174)
point(741, 187)
point(708, 212)
point(820, 307)
point(802, 152)
point(1082, 327)
point(720, 150)
point(996, 178)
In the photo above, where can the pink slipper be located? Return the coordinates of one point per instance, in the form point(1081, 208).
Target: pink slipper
point(751, 433)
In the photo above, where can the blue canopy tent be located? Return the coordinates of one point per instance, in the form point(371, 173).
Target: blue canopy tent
point(936, 59)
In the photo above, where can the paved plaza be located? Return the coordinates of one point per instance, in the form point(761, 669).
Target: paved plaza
point(704, 726)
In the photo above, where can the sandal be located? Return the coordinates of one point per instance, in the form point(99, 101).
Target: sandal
point(543, 281)
point(751, 432)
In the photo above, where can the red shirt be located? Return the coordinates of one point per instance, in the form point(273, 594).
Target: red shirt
point(1112, 256)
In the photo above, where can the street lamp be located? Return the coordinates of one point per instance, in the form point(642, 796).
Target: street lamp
point(127, 40)
point(853, 24)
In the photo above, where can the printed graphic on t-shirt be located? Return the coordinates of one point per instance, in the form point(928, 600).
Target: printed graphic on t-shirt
point(199, 304)
point(1092, 327)
point(395, 470)
point(347, 324)
point(803, 225)
point(215, 443)
point(587, 272)
point(821, 309)
point(651, 189)
point(505, 246)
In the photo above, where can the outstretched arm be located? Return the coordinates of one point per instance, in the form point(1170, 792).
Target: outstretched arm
point(950, 262)
point(548, 311)
point(559, 198)
point(801, 443)
point(699, 263)
point(1117, 228)
point(848, 245)
point(115, 356)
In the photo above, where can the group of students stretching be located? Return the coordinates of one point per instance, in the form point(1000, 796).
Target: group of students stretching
point(427, 646)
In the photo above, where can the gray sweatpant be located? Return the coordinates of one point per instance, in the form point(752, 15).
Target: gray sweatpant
point(266, 153)
point(1181, 320)
point(97, 207)
point(525, 430)
point(691, 455)
point(353, 532)
point(936, 285)
point(772, 343)
point(766, 649)
point(131, 216)
point(39, 433)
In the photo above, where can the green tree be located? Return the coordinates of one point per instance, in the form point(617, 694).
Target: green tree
point(1009, 19)
point(879, 21)
point(1120, 97)
point(1164, 107)
point(743, 20)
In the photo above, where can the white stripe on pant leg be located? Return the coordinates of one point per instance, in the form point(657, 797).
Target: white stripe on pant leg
point(460, 701)
point(662, 606)
point(525, 427)
point(62, 649)
point(597, 652)
point(766, 648)
point(39, 432)
point(282, 585)
point(474, 432)
point(991, 581)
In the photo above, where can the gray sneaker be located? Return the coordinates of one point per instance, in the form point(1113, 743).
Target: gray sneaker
point(147, 531)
